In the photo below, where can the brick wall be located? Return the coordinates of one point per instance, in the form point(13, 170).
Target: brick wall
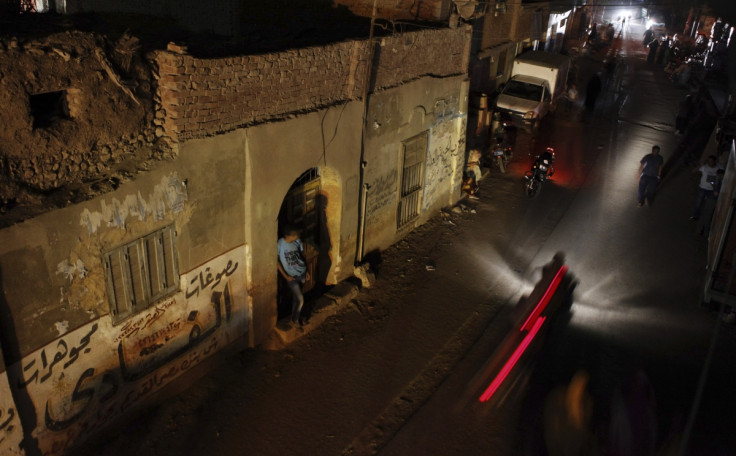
point(515, 24)
point(497, 29)
point(200, 97)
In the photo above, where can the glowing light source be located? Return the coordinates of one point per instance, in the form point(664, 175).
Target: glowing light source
point(496, 383)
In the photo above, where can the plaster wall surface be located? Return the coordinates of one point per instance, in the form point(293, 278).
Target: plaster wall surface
point(277, 154)
point(81, 367)
point(78, 366)
point(435, 106)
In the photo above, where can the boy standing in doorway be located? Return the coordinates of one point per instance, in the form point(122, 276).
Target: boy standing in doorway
point(293, 268)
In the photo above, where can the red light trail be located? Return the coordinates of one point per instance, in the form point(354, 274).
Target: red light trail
point(542, 304)
point(512, 361)
point(532, 324)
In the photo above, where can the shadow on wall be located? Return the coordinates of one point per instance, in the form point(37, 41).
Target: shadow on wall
point(10, 347)
point(324, 258)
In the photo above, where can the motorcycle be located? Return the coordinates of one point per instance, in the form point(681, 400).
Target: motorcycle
point(542, 170)
point(504, 136)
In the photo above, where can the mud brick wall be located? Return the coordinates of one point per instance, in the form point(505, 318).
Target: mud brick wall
point(515, 24)
point(201, 97)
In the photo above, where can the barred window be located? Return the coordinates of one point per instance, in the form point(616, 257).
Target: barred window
point(141, 272)
point(412, 178)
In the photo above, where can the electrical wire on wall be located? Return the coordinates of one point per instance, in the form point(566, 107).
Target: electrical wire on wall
point(334, 133)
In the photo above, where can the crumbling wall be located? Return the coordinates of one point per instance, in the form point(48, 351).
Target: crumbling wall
point(77, 120)
point(201, 97)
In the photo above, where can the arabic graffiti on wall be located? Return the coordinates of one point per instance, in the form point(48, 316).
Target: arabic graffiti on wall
point(443, 155)
point(169, 195)
point(11, 432)
point(93, 374)
point(137, 323)
point(41, 368)
point(205, 279)
point(382, 193)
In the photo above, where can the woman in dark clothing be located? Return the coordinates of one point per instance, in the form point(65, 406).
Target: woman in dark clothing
point(648, 36)
point(653, 46)
point(592, 90)
point(663, 49)
point(684, 114)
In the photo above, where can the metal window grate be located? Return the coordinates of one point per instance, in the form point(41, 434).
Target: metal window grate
point(306, 177)
point(412, 178)
point(141, 272)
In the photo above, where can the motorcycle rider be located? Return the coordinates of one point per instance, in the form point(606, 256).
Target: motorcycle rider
point(542, 169)
point(549, 156)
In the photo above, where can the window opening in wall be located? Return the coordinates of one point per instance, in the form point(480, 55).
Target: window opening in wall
point(412, 178)
point(140, 273)
point(46, 108)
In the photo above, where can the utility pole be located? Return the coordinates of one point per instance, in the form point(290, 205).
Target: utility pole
point(363, 195)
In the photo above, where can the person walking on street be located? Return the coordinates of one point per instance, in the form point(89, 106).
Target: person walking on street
point(610, 65)
point(684, 114)
point(572, 97)
point(593, 33)
point(709, 205)
point(650, 172)
point(664, 46)
point(648, 37)
point(653, 46)
point(592, 90)
point(293, 269)
point(708, 178)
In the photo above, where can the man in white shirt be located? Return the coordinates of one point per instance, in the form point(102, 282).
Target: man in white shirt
point(708, 175)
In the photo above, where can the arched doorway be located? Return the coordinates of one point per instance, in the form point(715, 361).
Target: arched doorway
point(305, 206)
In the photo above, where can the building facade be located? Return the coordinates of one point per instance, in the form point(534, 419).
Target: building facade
point(508, 28)
point(178, 172)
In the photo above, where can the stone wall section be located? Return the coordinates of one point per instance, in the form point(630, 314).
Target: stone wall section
point(76, 119)
point(202, 97)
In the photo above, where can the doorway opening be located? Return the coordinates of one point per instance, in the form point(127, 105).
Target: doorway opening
point(304, 207)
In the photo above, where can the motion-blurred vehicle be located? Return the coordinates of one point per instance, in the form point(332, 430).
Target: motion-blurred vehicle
point(530, 323)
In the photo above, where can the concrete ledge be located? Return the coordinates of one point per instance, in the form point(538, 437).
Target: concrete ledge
point(343, 291)
point(327, 305)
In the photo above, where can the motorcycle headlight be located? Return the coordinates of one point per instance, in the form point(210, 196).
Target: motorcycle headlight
point(543, 167)
point(546, 162)
point(529, 115)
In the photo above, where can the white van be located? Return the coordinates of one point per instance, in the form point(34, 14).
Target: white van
point(538, 81)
